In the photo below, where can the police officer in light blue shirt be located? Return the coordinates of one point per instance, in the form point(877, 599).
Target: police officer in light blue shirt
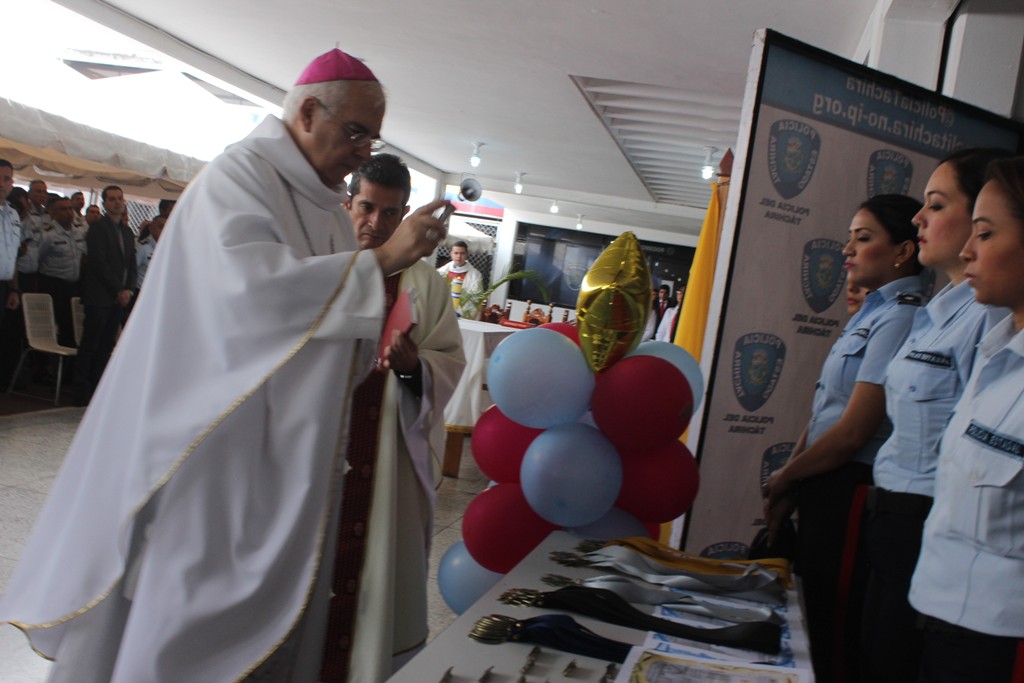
point(969, 579)
point(149, 235)
point(31, 233)
point(10, 242)
point(924, 382)
point(862, 354)
point(61, 249)
point(831, 462)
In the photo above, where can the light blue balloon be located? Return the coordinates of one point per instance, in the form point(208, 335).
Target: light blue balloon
point(571, 475)
point(679, 357)
point(615, 524)
point(461, 579)
point(540, 379)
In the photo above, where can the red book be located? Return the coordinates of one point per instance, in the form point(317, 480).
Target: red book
point(401, 318)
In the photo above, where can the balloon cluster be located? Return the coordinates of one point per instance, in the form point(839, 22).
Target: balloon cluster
point(584, 433)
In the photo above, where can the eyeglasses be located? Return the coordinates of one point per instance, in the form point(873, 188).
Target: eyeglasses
point(357, 135)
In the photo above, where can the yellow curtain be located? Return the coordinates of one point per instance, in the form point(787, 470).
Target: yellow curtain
point(694, 316)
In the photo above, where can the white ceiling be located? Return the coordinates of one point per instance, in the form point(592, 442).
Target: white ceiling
point(605, 105)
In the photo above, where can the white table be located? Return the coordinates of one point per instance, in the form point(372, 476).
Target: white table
point(470, 658)
point(454, 648)
point(470, 400)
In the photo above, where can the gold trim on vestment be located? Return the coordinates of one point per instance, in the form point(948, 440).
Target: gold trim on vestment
point(337, 478)
point(458, 428)
point(336, 475)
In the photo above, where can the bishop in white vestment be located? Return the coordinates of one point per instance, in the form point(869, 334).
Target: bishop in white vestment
point(181, 539)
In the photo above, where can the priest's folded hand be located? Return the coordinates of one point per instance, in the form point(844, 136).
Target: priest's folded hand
point(402, 355)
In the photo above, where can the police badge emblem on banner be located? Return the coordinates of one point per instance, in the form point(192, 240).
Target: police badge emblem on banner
point(793, 151)
point(821, 273)
point(889, 172)
point(756, 366)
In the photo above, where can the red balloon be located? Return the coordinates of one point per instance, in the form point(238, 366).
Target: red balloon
point(569, 330)
point(500, 528)
point(642, 402)
point(499, 445)
point(660, 484)
point(653, 530)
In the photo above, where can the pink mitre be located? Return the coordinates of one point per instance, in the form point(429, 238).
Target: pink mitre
point(335, 66)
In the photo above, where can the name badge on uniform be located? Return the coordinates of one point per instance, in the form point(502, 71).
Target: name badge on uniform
point(994, 440)
point(931, 358)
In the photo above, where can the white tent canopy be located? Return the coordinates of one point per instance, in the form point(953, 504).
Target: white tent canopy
point(44, 145)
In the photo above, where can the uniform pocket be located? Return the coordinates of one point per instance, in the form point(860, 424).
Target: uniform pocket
point(991, 509)
point(933, 383)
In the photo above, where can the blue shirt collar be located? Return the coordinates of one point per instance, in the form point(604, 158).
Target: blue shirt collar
point(950, 300)
point(1003, 336)
point(911, 285)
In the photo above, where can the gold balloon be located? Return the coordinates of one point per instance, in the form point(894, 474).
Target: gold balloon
point(614, 302)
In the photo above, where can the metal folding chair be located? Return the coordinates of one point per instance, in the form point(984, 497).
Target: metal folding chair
point(41, 334)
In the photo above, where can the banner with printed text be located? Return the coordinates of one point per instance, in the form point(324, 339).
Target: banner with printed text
point(825, 135)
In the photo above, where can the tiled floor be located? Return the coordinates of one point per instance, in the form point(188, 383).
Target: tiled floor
point(32, 447)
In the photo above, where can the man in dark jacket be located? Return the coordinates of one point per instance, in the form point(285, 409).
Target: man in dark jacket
point(107, 283)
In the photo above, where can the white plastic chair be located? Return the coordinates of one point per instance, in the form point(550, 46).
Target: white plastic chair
point(77, 318)
point(41, 334)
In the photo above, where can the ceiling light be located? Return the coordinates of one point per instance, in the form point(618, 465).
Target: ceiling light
point(474, 160)
point(554, 206)
point(518, 187)
point(708, 170)
point(579, 221)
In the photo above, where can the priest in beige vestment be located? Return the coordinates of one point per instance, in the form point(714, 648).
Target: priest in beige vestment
point(379, 610)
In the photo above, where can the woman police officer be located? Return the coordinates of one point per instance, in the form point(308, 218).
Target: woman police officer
point(833, 457)
point(969, 576)
point(923, 383)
